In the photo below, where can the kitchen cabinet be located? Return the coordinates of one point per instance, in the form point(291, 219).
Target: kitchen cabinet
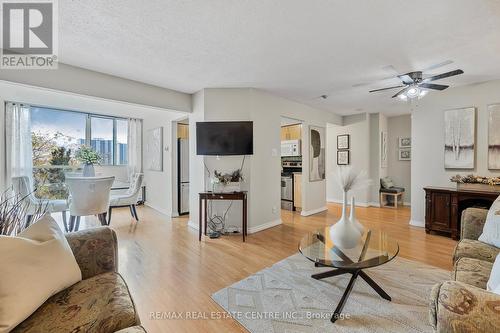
point(182, 131)
point(291, 132)
point(297, 191)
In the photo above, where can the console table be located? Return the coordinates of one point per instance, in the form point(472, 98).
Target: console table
point(444, 207)
point(206, 196)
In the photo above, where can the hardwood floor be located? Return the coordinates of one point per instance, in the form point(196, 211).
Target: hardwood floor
point(168, 270)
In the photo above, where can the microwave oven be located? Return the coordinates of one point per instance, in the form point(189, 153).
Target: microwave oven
point(290, 148)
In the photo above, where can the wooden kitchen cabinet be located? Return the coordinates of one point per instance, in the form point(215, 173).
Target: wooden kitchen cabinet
point(297, 191)
point(291, 132)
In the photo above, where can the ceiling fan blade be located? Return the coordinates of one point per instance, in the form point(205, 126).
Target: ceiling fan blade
point(388, 88)
point(438, 65)
point(433, 86)
point(400, 92)
point(444, 75)
point(406, 78)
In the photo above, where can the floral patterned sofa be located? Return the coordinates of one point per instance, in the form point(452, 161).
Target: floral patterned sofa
point(463, 304)
point(101, 302)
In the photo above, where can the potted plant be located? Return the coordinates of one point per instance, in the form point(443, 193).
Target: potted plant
point(88, 157)
point(229, 182)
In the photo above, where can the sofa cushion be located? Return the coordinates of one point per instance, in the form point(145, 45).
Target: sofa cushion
point(99, 304)
point(493, 284)
point(491, 229)
point(469, 248)
point(386, 182)
point(472, 271)
point(36, 264)
point(392, 190)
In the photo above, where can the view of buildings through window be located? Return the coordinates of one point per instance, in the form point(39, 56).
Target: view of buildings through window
point(57, 135)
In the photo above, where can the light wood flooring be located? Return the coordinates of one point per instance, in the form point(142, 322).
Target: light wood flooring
point(168, 270)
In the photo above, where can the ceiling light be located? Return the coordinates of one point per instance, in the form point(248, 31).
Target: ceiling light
point(413, 92)
point(423, 93)
point(403, 97)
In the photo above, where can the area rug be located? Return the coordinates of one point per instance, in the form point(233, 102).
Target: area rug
point(284, 298)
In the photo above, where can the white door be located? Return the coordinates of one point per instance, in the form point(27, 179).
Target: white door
point(184, 198)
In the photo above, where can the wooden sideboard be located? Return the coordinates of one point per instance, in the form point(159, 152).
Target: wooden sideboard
point(444, 206)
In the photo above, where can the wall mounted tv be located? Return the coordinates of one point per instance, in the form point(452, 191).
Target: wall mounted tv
point(224, 138)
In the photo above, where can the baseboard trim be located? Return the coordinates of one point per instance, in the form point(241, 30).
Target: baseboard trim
point(407, 204)
point(251, 230)
point(159, 210)
point(416, 223)
point(313, 211)
point(193, 225)
point(264, 226)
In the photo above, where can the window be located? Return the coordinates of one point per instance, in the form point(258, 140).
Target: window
point(57, 135)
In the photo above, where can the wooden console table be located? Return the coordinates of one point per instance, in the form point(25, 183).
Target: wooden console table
point(444, 207)
point(206, 196)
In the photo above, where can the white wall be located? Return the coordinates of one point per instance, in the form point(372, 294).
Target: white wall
point(157, 183)
point(399, 171)
point(427, 163)
point(357, 126)
point(262, 171)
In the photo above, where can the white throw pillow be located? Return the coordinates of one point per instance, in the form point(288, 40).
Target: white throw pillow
point(35, 265)
point(493, 284)
point(491, 229)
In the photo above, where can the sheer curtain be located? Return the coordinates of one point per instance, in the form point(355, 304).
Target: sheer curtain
point(19, 156)
point(134, 146)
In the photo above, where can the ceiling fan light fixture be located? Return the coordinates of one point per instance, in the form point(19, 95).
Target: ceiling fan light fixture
point(403, 97)
point(423, 92)
point(413, 92)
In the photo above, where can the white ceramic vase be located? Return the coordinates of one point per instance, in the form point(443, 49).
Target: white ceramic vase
point(88, 170)
point(354, 220)
point(344, 233)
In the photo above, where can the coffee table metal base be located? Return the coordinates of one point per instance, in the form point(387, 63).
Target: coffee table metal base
point(355, 274)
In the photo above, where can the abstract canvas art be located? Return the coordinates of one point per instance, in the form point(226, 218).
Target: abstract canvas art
point(316, 153)
point(383, 149)
point(494, 137)
point(154, 149)
point(460, 136)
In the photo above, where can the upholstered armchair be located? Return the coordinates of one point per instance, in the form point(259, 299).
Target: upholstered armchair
point(463, 304)
point(100, 303)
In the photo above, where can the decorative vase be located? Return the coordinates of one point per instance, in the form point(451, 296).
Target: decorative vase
point(88, 170)
point(353, 218)
point(344, 233)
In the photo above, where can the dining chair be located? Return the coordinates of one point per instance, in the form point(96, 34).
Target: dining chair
point(88, 196)
point(128, 199)
point(24, 189)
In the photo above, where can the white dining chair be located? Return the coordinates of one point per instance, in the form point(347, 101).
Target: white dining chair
point(128, 199)
point(88, 196)
point(23, 189)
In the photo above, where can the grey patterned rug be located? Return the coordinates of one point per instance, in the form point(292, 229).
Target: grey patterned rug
point(284, 298)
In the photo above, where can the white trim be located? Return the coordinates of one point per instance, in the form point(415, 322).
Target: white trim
point(250, 230)
point(193, 225)
point(264, 226)
point(407, 204)
point(159, 210)
point(416, 223)
point(374, 204)
point(313, 211)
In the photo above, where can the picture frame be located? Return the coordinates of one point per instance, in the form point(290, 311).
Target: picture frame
point(493, 137)
point(460, 138)
point(404, 142)
point(154, 149)
point(343, 157)
point(317, 153)
point(343, 141)
point(405, 154)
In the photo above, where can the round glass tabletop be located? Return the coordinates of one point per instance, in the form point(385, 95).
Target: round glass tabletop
point(374, 248)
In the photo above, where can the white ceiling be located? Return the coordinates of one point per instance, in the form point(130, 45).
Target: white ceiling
point(298, 49)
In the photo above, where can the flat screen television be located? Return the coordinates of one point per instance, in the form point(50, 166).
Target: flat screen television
point(224, 138)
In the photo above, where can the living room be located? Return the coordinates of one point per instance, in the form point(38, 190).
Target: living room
point(148, 184)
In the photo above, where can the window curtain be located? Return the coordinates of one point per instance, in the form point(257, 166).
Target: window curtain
point(134, 146)
point(18, 148)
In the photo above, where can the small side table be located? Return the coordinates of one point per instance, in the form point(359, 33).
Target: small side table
point(203, 212)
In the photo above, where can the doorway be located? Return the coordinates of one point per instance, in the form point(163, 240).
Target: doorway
point(291, 166)
point(180, 161)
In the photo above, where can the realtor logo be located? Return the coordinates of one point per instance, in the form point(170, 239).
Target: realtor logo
point(29, 35)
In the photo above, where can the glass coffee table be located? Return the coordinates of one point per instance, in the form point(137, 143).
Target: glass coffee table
point(374, 248)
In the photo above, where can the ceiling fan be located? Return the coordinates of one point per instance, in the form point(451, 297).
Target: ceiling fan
point(415, 85)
